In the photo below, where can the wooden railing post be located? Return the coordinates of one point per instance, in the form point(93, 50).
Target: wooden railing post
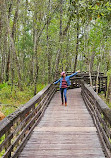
point(8, 143)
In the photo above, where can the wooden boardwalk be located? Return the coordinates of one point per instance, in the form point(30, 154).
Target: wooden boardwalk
point(65, 132)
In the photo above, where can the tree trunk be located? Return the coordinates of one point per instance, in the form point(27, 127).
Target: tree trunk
point(60, 41)
point(92, 61)
point(97, 78)
point(36, 67)
point(12, 45)
point(3, 65)
point(12, 70)
point(15, 19)
point(48, 50)
point(8, 66)
point(9, 51)
point(3, 40)
point(77, 42)
point(90, 75)
point(109, 91)
point(67, 54)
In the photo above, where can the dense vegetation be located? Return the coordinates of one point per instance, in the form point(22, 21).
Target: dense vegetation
point(10, 100)
point(39, 39)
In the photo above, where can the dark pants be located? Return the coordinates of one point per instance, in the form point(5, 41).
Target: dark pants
point(63, 91)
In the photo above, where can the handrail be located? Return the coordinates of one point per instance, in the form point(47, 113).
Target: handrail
point(102, 81)
point(100, 103)
point(101, 115)
point(16, 128)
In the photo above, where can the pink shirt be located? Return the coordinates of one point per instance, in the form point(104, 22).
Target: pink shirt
point(64, 83)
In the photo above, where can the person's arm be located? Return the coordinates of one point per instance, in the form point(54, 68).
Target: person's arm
point(74, 74)
point(57, 81)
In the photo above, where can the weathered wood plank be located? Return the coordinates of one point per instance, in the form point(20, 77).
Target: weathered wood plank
point(68, 156)
point(65, 129)
point(64, 152)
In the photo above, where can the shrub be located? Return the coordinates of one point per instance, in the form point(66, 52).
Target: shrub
point(2, 85)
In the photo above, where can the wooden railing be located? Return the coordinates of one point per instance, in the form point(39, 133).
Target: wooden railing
point(101, 115)
point(102, 80)
point(16, 129)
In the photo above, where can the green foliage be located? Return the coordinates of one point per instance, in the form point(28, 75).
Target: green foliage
point(108, 77)
point(26, 43)
point(12, 99)
point(5, 92)
point(104, 99)
point(7, 110)
point(1, 140)
point(2, 85)
point(109, 74)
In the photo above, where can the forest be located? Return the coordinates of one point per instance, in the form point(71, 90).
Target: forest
point(39, 39)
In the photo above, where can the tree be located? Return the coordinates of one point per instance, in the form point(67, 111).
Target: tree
point(39, 39)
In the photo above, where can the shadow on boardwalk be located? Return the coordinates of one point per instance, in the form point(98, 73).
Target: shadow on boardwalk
point(65, 132)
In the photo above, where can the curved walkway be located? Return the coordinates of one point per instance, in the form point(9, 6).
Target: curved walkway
point(65, 132)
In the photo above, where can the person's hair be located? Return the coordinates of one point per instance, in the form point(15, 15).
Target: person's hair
point(63, 74)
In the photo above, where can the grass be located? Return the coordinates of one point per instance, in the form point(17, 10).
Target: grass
point(11, 100)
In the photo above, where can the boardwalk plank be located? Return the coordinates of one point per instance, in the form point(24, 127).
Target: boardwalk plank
point(65, 132)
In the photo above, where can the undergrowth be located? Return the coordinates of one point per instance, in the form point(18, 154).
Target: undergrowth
point(10, 100)
point(102, 96)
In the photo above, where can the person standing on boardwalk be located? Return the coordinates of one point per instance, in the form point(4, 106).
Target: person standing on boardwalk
point(64, 83)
